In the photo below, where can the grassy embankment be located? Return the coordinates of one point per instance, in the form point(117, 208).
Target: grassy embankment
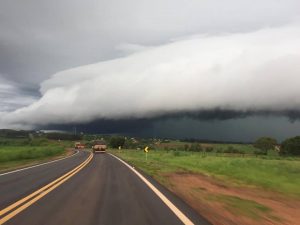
point(273, 174)
point(242, 185)
point(15, 153)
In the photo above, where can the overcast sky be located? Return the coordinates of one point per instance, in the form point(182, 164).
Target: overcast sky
point(124, 59)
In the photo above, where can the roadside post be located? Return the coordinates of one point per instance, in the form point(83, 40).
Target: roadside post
point(120, 148)
point(146, 150)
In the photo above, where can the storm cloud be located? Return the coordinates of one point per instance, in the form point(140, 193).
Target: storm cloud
point(244, 72)
point(14, 96)
point(137, 62)
point(39, 38)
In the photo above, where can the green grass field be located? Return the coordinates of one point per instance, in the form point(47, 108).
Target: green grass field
point(217, 147)
point(279, 175)
point(16, 153)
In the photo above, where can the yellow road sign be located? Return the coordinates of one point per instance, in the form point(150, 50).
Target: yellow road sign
point(146, 149)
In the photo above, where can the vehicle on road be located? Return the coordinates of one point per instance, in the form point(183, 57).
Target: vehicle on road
point(99, 146)
point(79, 145)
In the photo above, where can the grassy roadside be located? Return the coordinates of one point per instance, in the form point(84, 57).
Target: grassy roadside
point(17, 164)
point(235, 190)
point(218, 147)
point(276, 175)
point(18, 154)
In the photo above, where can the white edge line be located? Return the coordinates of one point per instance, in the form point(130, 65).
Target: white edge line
point(30, 167)
point(184, 219)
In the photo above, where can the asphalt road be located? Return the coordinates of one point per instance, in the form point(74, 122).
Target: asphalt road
point(103, 192)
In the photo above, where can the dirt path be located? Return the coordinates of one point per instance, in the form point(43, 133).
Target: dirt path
point(223, 204)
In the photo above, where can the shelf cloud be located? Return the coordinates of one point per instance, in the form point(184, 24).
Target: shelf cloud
point(255, 71)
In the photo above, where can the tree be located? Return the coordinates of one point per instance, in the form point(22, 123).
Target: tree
point(265, 144)
point(209, 149)
point(196, 147)
point(186, 147)
point(291, 146)
point(117, 141)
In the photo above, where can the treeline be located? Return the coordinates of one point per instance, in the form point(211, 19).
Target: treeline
point(196, 147)
point(22, 134)
point(7, 133)
point(196, 140)
point(63, 136)
point(290, 146)
point(129, 143)
point(263, 145)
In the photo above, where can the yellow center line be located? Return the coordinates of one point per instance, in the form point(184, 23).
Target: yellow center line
point(40, 193)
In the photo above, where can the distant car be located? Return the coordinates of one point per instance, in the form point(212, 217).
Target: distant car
point(79, 145)
point(99, 146)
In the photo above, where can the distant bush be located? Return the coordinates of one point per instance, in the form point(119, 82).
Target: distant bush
point(219, 150)
point(291, 146)
point(231, 149)
point(4, 142)
point(265, 144)
point(259, 152)
point(6, 133)
point(131, 145)
point(117, 141)
point(63, 136)
point(209, 149)
point(196, 147)
point(186, 147)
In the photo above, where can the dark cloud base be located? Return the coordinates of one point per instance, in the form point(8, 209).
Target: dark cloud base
point(136, 125)
point(104, 126)
point(219, 114)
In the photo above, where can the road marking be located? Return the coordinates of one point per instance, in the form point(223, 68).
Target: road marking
point(19, 202)
point(30, 167)
point(184, 219)
point(35, 196)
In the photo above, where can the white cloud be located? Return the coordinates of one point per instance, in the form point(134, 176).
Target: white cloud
point(242, 71)
point(127, 48)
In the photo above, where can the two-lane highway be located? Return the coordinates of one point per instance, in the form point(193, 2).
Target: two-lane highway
point(104, 191)
point(18, 184)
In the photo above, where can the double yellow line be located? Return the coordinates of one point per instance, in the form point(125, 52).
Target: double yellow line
point(25, 202)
